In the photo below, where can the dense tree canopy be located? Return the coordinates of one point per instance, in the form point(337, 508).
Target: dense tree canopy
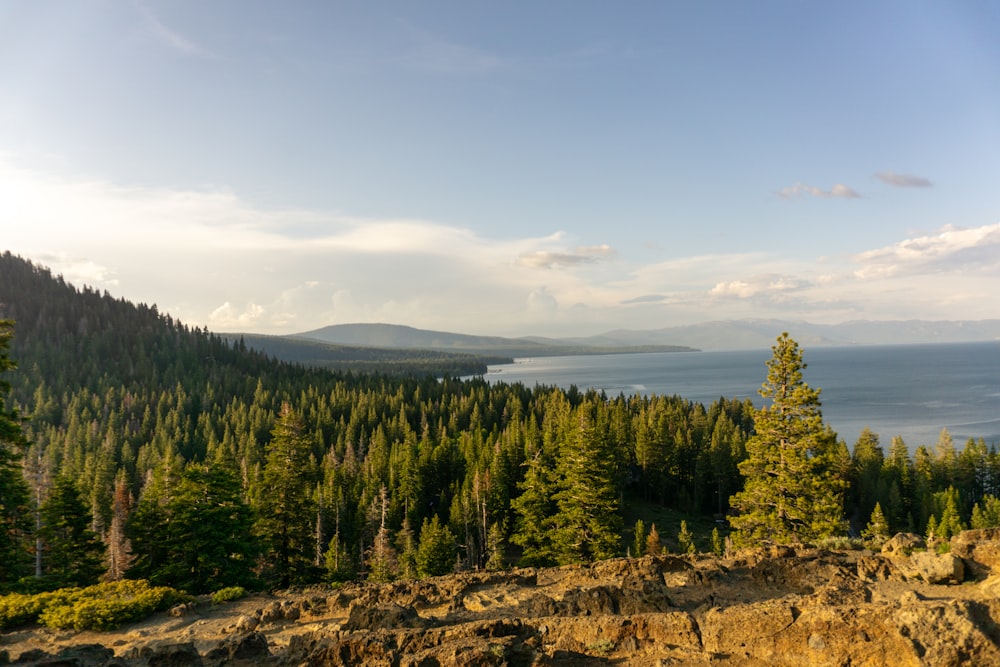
point(202, 463)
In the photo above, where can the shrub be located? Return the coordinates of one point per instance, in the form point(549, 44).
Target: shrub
point(106, 606)
point(228, 594)
point(19, 609)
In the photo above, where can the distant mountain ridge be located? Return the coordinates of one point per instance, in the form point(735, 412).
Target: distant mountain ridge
point(718, 335)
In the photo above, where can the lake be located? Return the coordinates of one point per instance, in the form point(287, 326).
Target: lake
point(908, 390)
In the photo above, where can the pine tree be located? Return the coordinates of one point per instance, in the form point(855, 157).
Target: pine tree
point(382, 558)
point(437, 550)
point(639, 539)
point(534, 509)
point(986, 513)
point(685, 540)
point(718, 546)
point(119, 547)
point(15, 496)
point(793, 492)
point(587, 525)
point(286, 510)
point(73, 553)
point(877, 530)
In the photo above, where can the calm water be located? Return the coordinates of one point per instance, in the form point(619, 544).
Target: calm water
point(909, 390)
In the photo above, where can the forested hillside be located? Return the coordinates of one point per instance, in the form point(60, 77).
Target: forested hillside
point(172, 454)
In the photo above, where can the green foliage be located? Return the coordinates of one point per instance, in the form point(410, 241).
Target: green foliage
point(73, 553)
point(286, 512)
point(638, 539)
point(945, 522)
point(986, 513)
point(718, 546)
point(99, 607)
point(14, 494)
point(437, 549)
point(586, 525)
point(192, 530)
point(793, 490)
point(20, 609)
point(877, 531)
point(685, 540)
point(228, 594)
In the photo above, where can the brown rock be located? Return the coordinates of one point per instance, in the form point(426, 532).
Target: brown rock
point(980, 550)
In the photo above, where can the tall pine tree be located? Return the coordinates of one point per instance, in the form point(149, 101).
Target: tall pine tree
point(286, 511)
point(793, 490)
point(15, 520)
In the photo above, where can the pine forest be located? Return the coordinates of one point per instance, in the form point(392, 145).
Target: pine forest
point(135, 447)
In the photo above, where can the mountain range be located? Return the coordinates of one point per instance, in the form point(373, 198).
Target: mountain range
point(719, 335)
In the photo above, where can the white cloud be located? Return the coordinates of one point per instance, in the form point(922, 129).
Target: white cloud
point(951, 249)
point(838, 191)
point(903, 180)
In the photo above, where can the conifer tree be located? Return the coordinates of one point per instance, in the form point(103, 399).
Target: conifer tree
point(534, 509)
point(718, 546)
point(654, 547)
point(792, 492)
point(119, 547)
point(73, 553)
point(15, 519)
point(685, 540)
point(437, 549)
point(639, 539)
point(877, 530)
point(382, 558)
point(285, 521)
point(587, 525)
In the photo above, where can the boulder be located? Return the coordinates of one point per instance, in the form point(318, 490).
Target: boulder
point(903, 544)
point(932, 568)
point(980, 550)
point(384, 616)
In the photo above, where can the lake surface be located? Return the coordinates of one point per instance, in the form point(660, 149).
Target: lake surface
point(908, 390)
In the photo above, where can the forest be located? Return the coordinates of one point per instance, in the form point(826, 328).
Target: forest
point(136, 447)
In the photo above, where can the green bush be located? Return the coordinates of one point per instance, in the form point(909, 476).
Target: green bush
point(105, 606)
point(18, 609)
point(228, 594)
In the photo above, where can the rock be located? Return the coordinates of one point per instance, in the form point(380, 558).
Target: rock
point(980, 550)
point(903, 544)
point(932, 568)
point(251, 646)
point(168, 655)
point(386, 616)
point(245, 624)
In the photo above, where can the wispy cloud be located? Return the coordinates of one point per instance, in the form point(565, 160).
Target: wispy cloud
point(430, 53)
point(838, 191)
point(903, 180)
point(549, 260)
point(171, 38)
point(759, 284)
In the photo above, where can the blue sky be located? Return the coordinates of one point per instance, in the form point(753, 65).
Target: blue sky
point(507, 167)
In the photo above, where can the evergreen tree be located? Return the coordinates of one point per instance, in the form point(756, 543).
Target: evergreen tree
point(718, 546)
point(639, 539)
point(73, 553)
point(495, 559)
point(534, 509)
point(119, 546)
point(986, 513)
point(437, 549)
point(654, 547)
point(685, 540)
point(286, 511)
point(877, 530)
point(792, 491)
point(15, 518)
point(196, 536)
point(587, 525)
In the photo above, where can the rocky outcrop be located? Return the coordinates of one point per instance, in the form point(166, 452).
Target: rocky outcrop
point(774, 606)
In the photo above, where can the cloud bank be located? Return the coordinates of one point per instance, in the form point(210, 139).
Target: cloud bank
point(838, 191)
point(903, 180)
point(210, 257)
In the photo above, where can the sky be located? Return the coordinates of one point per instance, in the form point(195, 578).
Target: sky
point(566, 167)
